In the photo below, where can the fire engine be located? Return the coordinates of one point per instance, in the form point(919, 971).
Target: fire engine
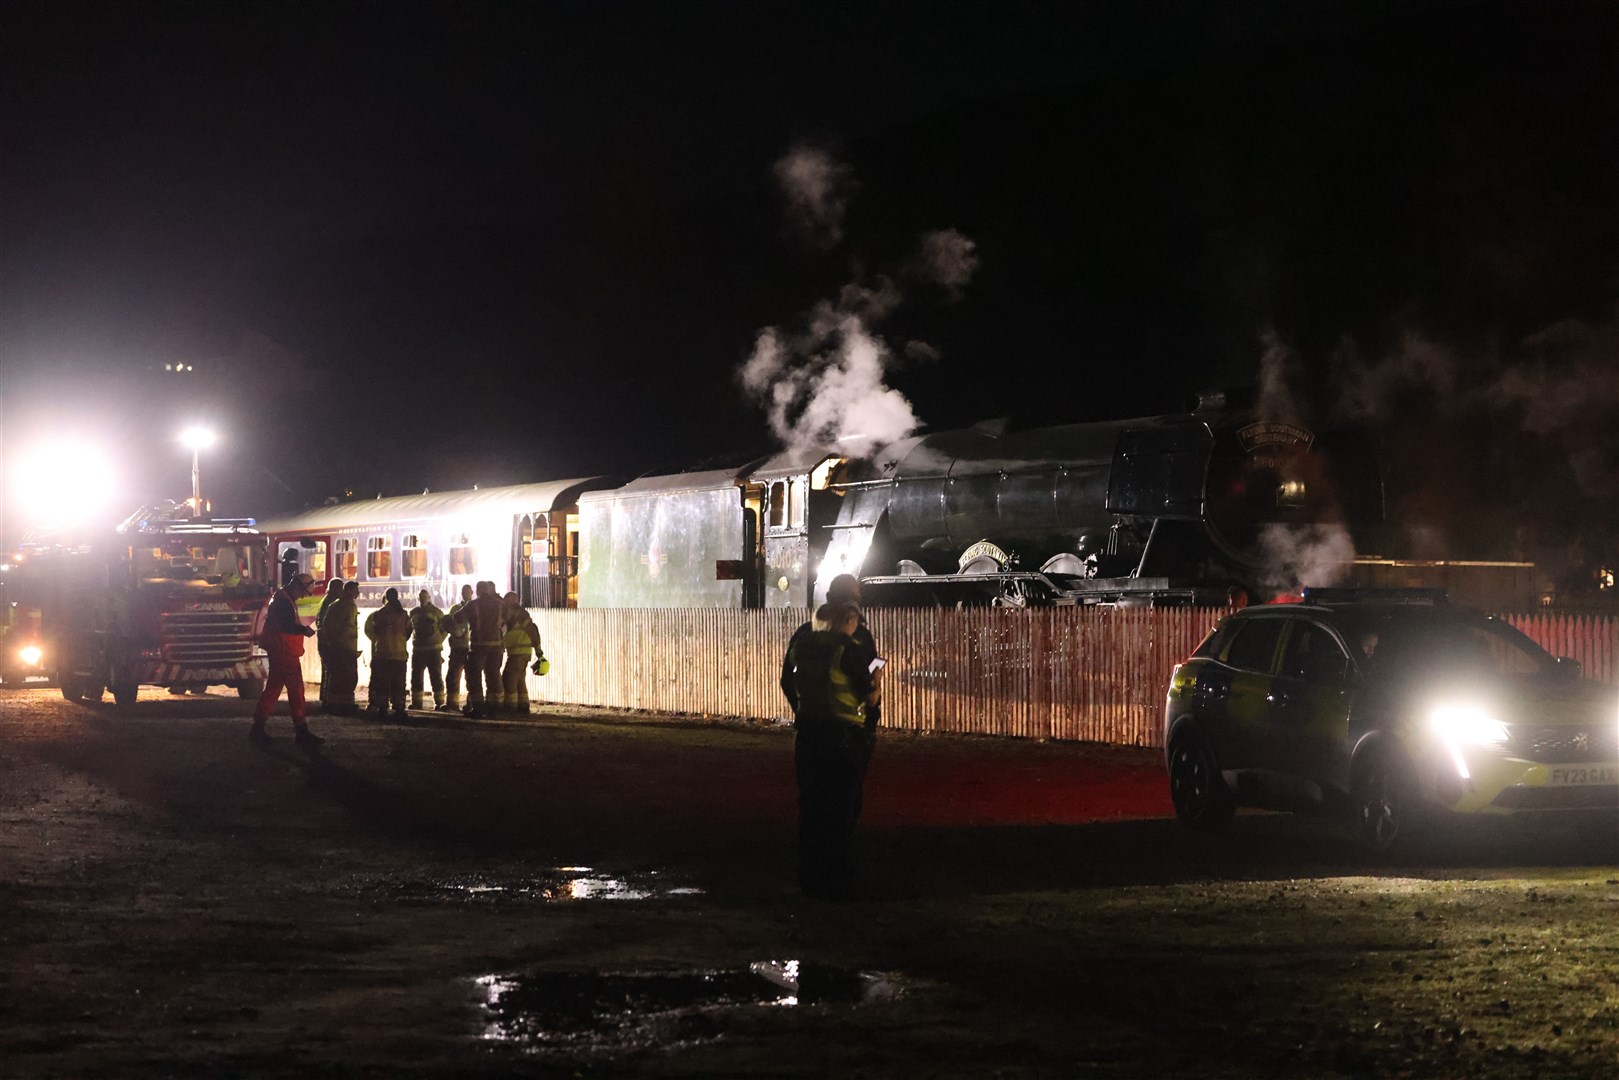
point(22, 649)
point(163, 600)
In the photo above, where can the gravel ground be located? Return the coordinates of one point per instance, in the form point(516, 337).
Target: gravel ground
point(612, 895)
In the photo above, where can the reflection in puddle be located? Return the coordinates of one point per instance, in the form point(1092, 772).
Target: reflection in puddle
point(562, 883)
point(588, 1010)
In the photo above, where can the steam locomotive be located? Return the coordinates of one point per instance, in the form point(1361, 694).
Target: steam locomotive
point(1173, 508)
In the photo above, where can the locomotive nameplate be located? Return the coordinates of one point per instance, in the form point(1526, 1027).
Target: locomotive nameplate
point(1273, 434)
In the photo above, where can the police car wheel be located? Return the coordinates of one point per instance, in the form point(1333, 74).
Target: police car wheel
point(1196, 787)
point(1384, 803)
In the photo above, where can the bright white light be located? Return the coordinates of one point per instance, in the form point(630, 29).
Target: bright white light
point(197, 438)
point(30, 655)
point(61, 484)
point(1468, 724)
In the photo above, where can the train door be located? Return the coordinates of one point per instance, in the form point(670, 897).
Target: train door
point(531, 574)
point(570, 559)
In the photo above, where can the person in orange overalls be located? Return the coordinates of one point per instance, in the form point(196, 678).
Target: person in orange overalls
point(283, 639)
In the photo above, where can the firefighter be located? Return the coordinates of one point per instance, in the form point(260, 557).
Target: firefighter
point(460, 645)
point(389, 630)
point(522, 643)
point(834, 684)
point(339, 637)
point(426, 649)
point(334, 593)
point(482, 616)
point(283, 639)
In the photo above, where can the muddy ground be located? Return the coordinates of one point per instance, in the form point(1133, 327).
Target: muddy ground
point(601, 895)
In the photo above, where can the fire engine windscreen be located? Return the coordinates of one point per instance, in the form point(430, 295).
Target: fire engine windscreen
point(199, 562)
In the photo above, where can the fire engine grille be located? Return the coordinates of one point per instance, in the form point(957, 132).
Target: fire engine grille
point(207, 637)
point(1568, 744)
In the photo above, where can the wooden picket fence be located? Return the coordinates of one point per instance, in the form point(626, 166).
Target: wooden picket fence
point(1089, 674)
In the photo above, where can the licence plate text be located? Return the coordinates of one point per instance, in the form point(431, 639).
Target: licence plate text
point(1567, 775)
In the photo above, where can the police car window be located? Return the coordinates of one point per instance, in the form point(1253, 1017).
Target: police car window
point(1313, 654)
point(1254, 647)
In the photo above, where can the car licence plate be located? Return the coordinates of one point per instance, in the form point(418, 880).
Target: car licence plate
point(1574, 775)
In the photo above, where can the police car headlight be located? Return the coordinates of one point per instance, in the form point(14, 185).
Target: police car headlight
point(31, 655)
point(1467, 725)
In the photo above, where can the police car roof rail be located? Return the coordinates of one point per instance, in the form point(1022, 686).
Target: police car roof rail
point(1335, 596)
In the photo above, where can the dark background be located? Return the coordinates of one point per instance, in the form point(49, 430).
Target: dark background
point(421, 246)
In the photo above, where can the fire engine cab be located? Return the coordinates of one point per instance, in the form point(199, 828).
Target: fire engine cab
point(163, 600)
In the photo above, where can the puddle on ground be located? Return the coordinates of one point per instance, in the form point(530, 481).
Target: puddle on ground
point(545, 1011)
point(559, 884)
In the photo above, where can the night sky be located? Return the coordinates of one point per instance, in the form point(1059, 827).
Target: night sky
point(418, 246)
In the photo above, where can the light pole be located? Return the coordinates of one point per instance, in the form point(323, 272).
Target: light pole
point(197, 438)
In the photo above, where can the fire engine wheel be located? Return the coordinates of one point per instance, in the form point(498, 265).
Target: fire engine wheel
point(250, 690)
point(125, 694)
point(72, 687)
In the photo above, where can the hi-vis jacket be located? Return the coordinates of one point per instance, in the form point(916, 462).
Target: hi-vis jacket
point(830, 680)
point(389, 631)
point(522, 637)
point(340, 628)
point(427, 628)
point(460, 633)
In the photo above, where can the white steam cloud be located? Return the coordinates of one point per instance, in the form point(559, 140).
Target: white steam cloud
point(824, 385)
point(1300, 556)
point(825, 389)
point(817, 188)
point(947, 259)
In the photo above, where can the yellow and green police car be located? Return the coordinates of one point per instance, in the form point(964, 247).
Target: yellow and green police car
point(1393, 707)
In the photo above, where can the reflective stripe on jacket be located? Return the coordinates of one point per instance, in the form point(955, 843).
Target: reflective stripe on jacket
point(825, 693)
point(521, 638)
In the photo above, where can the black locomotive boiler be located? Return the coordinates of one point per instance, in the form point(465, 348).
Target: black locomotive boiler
point(1164, 508)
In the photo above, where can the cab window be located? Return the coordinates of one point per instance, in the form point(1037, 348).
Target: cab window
point(1314, 655)
point(1254, 647)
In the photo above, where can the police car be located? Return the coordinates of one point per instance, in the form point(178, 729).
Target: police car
point(1393, 707)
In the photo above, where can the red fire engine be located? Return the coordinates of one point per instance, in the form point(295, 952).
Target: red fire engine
point(164, 600)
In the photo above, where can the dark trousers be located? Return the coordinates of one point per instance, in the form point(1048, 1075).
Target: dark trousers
point(452, 677)
point(830, 758)
point(340, 675)
point(483, 675)
point(387, 685)
point(430, 661)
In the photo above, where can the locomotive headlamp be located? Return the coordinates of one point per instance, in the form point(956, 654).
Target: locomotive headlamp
point(31, 655)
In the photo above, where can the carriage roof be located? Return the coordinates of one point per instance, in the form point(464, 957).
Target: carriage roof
point(512, 498)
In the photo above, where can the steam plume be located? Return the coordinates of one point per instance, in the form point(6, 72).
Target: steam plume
point(824, 385)
point(818, 189)
point(946, 258)
point(1297, 556)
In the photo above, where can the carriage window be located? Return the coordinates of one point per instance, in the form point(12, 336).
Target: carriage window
point(378, 557)
point(795, 504)
point(413, 555)
point(348, 558)
point(463, 559)
point(317, 561)
point(778, 504)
